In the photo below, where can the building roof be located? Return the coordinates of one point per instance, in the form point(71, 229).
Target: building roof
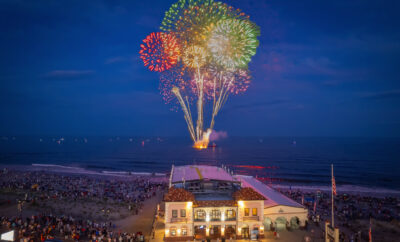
point(215, 203)
point(200, 172)
point(247, 193)
point(274, 197)
point(178, 195)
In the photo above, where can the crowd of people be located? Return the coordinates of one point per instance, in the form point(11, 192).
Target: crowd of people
point(347, 208)
point(48, 227)
point(134, 189)
point(37, 186)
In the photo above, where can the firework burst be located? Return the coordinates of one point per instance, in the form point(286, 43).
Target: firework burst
point(233, 42)
point(159, 51)
point(202, 55)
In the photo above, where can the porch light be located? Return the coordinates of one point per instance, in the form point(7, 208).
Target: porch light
point(241, 204)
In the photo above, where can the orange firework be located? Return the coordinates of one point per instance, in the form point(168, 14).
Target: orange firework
point(159, 51)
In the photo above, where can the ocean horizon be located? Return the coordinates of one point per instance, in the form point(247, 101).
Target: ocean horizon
point(367, 163)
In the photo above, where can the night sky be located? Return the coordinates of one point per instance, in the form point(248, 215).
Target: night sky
point(323, 68)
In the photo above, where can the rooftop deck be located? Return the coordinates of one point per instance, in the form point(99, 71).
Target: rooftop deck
point(200, 172)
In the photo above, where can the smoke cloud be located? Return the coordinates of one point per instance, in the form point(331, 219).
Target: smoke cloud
point(218, 135)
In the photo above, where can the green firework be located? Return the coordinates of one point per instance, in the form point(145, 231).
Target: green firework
point(233, 42)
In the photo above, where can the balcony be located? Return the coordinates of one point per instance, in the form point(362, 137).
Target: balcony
point(215, 219)
point(251, 218)
point(230, 219)
point(178, 220)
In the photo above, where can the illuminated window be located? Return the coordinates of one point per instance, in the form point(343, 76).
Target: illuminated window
point(184, 231)
point(183, 213)
point(215, 214)
point(200, 215)
point(230, 214)
point(174, 213)
point(172, 231)
point(246, 212)
point(254, 212)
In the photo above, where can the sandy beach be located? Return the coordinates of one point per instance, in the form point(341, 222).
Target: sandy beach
point(81, 204)
point(112, 203)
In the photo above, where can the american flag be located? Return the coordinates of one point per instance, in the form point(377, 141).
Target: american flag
point(333, 186)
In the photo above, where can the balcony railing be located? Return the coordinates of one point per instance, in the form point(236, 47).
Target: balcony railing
point(178, 220)
point(214, 219)
point(251, 218)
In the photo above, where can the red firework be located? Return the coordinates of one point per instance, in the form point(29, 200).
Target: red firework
point(159, 51)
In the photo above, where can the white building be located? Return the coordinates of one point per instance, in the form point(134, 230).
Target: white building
point(207, 201)
point(279, 210)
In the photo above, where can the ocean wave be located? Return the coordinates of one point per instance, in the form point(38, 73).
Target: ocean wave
point(117, 172)
point(79, 170)
point(56, 166)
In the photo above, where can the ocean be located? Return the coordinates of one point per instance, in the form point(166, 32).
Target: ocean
point(370, 163)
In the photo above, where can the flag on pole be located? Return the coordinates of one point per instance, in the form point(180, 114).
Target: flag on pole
point(333, 186)
point(370, 230)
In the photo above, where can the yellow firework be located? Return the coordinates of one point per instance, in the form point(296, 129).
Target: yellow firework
point(194, 57)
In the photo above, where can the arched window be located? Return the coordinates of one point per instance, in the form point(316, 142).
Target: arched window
point(215, 214)
point(172, 231)
point(230, 214)
point(184, 231)
point(200, 215)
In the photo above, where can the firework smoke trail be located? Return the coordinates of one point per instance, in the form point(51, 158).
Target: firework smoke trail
point(199, 126)
point(194, 58)
point(222, 97)
point(186, 112)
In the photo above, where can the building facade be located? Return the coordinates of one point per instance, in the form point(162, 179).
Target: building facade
point(209, 202)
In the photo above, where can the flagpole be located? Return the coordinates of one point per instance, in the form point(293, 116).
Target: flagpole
point(333, 224)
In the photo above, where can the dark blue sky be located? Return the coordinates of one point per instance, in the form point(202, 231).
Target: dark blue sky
point(323, 68)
